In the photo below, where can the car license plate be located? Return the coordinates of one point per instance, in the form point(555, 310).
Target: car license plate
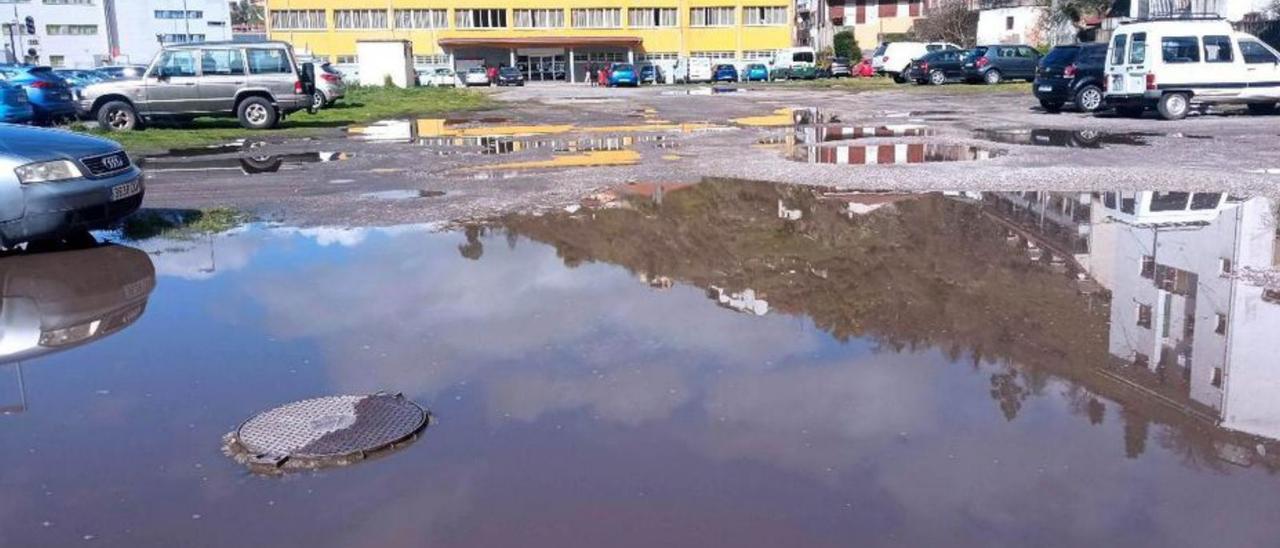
point(1046, 89)
point(120, 192)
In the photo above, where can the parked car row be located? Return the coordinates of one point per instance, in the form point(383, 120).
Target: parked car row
point(985, 64)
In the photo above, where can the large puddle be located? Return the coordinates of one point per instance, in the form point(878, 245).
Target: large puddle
point(726, 363)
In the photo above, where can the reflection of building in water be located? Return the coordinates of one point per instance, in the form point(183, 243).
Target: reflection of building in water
point(787, 214)
point(1061, 218)
point(1169, 260)
point(857, 203)
point(743, 301)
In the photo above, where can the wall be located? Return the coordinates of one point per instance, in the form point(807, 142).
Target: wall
point(871, 20)
point(683, 39)
point(77, 50)
point(993, 26)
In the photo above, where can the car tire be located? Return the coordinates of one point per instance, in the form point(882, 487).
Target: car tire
point(1263, 109)
point(1131, 111)
point(118, 116)
point(992, 77)
point(899, 78)
point(1089, 98)
point(1174, 106)
point(318, 100)
point(257, 113)
point(937, 78)
point(1052, 107)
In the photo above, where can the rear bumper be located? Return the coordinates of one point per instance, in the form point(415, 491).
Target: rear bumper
point(16, 114)
point(56, 209)
point(1058, 90)
point(1130, 100)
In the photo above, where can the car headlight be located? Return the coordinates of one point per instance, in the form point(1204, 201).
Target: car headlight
point(44, 172)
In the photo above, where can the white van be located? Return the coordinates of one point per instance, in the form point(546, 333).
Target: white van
point(693, 70)
point(892, 58)
point(1168, 64)
point(798, 63)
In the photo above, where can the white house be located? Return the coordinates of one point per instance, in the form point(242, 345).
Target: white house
point(71, 33)
point(1011, 22)
point(143, 25)
point(1170, 261)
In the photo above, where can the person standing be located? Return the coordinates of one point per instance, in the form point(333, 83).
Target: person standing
point(591, 73)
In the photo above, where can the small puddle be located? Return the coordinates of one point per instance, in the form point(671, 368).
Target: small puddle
point(1063, 137)
point(597, 158)
point(406, 194)
point(891, 154)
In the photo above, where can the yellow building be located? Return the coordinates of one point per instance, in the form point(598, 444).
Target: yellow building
point(548, 39)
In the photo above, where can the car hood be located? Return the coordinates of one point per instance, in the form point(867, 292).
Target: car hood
point(31, 144)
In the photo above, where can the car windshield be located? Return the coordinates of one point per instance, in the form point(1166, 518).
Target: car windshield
point(329, 69)
point(623, 67)
point(976, 53)
point(724, 67)
point(880, 50)
point(1061, 56)
point(475, 70)
point(443, 72)
point(510, 71)
point(756, 67)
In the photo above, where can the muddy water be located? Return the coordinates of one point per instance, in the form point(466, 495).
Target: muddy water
point(726, 364)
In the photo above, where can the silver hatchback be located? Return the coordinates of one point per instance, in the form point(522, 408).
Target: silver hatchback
point(259, 83)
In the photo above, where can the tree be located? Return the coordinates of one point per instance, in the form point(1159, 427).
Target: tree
point(246, 13)
point(1061, 13)
point(949, 21)
point(847, 46)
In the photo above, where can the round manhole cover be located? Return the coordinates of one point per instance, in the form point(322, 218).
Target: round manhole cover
point(328, 431)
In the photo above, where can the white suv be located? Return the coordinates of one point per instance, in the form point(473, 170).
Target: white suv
point(892, 58)
point(1167, 64)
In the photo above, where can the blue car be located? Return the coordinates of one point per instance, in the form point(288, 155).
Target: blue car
point(725, 73)
point(50, 96)
point(623, 74)
point(649, 74)
point(757, 72)
point(57, 184)
point(14, 106)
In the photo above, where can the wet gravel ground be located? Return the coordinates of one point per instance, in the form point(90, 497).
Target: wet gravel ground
point(409, 177)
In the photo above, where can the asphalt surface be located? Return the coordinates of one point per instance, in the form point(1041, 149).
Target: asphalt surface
point(478, 165)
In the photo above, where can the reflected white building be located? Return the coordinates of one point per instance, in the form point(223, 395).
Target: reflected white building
point(1170, 261)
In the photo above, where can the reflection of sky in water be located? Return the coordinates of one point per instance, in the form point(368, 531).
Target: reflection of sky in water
point(576, 407)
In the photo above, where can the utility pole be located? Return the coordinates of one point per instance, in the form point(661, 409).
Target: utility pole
point(186, 20)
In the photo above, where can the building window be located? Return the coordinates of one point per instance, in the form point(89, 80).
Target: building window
point(422, 19)
point(57, 61)
point(1144, 316)
point(297, 19)
point(179, 14)
point(1220, 327)
point(1216, 378)
point(1271, 295)
point(181, 38)
point(345, 60)
point(1189, 327)
point(217, 23)
point(1224, 267)
point(539, 19)
point(597, 18)
point(1148, 267)
point(1008, 23)
point(268, 61)
point(430, 59)
point(711, 17)
point(712, 54)
point(480, 18)
point(764, 15)
point(652, 17)
point(70, 30)
point(659, 56)
point(758, 54)
point(360, 19)
point(605, 57)
point(63, 3)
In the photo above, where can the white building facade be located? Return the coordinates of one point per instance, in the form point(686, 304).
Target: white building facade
point(89, 33)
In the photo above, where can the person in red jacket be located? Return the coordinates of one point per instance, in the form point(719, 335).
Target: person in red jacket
point(604, 76)
point(492, 73)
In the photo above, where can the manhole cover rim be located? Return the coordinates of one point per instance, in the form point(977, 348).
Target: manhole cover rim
point(410, 431)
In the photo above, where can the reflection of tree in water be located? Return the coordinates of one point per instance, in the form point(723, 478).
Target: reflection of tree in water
point(1135, 433)
point(924, 273)
point(474, 248)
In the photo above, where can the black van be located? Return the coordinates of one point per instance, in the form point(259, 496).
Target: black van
point(1071, 74)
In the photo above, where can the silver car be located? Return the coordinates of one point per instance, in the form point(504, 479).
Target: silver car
point(259, 83)
point(330, 85)
point(56, 184)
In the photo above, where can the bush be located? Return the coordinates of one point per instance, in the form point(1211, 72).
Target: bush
point(846, 45)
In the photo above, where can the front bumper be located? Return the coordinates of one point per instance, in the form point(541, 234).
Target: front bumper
point(52, 210)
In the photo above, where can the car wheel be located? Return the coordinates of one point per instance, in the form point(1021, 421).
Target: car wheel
point(992, 77)
point(1131, 112)
point(1263, 109)
point(117, 116)
point(318, 100)
point(937, 78)
point(1089, 98)
point(1174, 106)
point(257, 113)
point(1051, 106)
point(898, 78)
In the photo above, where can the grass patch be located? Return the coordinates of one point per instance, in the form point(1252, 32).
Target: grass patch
point(361, 105)
point(181, 224)
point(858, 85)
